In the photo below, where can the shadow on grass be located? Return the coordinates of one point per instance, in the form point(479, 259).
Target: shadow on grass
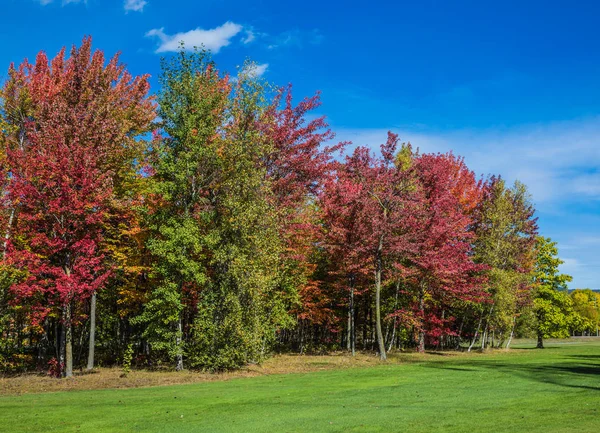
point(576, 371)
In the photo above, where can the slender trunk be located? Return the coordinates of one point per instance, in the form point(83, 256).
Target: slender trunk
point(393, 336)
point(476, 334)
point(81, 345)
point(68, 341)
point(540, 341)
point(61, 344)
point(386, 338)
point(365, 327)
point(458, 337)
point(442, 336)
point(373, 339)
point(179, 365)
point(351, 335)
point(380, 342)
point(391, 341)
point(43, 343)
point(421, 347)
point(301, 337)
point(352, 322)
point(57, 340)
point(90, 363)
point(487, 323)
point(512, 332)
point(349, 328)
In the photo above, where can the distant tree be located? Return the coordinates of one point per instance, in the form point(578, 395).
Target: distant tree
point(553, 307)
point(587, 304)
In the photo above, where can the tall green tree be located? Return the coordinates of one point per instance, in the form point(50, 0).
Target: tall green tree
point(244, 303)
point(183, 163)
point(214, 231)
point(505, 231)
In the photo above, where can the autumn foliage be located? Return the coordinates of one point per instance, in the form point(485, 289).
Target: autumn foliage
point(238, 227)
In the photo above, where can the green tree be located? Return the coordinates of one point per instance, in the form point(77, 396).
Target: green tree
point(587, 304)
point(214, 230)
point(553, 307)
point(183, 161)
point(244, 303)
point(505, 232)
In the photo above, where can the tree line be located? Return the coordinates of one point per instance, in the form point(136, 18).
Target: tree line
point(213, 223)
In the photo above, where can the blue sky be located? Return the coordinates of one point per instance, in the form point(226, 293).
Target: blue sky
point(512, 87)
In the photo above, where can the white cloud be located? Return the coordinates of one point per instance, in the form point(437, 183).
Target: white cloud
point(134, 5)
point(212, 39)
point(255, 70)
point(250, 36)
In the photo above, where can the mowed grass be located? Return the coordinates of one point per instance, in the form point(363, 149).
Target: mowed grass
point(525, 390)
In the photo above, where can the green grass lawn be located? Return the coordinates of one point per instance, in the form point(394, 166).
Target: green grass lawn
point(552, 390)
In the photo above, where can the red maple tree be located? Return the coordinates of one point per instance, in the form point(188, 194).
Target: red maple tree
point(441, 270)
point(79, 134)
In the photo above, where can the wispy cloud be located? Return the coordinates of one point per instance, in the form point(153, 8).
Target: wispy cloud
point(212, 39)
point(62, 2)
point(557, 161)
point(134, 5)
point(250, 37)
point(295, 38)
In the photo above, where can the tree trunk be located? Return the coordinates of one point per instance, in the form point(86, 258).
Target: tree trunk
point(378, 267)
point(68, 342)
point(487, 323)
point(365, 327)
point(540, 341)
point(61, 345)
point(179, 365)
point(352, 322)
point(421, 347)
point(92, 343)
point(476, 334)
point(442, 336)
point(349, 329)
point(301, 336)
point(391, 341)
point(512, 332)
point(458, 337)
point(393, 336)
point(351, 335)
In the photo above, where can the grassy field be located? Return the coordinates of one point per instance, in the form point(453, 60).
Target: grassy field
point(525, 390)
